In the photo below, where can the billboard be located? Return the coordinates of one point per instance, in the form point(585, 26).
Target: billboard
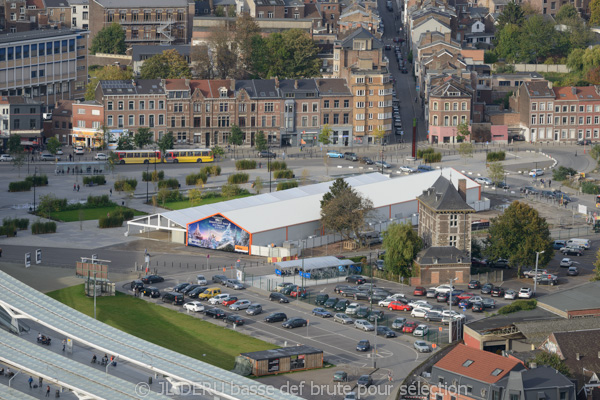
point(218, 233)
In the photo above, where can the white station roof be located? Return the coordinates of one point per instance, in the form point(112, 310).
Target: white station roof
point(308, 264)
point(270, 211)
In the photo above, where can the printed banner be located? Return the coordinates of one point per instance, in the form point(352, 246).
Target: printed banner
point(218, 233)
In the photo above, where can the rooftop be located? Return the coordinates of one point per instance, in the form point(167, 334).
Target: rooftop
point(148, 50)
point(586, 343)
point(494, 322)
point(576, 93)
point(442, 255)
point(443, 196)
point(36, 35)
point(144, 4)
point(534, 379)
point(583, 297)
point(538, 89)
point(282, 352)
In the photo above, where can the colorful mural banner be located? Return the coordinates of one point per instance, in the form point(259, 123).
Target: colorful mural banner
point(218, 233)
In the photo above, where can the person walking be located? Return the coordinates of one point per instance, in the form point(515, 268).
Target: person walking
point(48, 391)
point(40, 380)
point(0, 252)
point(64, 342)
point(549, 182)
point(30, 381)
point(110, 192)
point(78, 187)
point(74, 186)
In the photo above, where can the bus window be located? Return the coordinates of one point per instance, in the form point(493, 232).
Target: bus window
point(129, 155)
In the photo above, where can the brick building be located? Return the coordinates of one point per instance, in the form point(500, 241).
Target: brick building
point(88, 119)
point(62, 121)
point(450, 104)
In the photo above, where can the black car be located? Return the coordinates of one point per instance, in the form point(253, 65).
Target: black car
point(340, 288)
point(153, 279)
point(584, 142)
point(375, 315)
point(215, 313)
point(234, 319)
point(294, 323)
point(219, 279)
point(150, 291)
point(362, 312)
point(321, 299)
point(359, 280)
point(349, 292)
point(497, 291)
point(361, 295)
point(173, 298)
point(274, 296)
point(366, 160)
point(454, 301)
point(487, 288)
point(551, 280)
point(266, 154)
point(474, 284)
point(331, 302)
point(377, 296)
point(137, 284)
point(189, 288)
point(433, 316)
point(478, 307)
point(193, 294)
point(571, 251)
point(385, 331)
point(276, 317)
point(341, 305)
point(365, 380)
point(404, 71)
point(363, 345)
point(500, 263)
point(180, 287)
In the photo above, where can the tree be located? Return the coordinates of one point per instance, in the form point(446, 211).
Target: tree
point(109, 40)
point(143, 137)
point(245, 30)
point(113, 160)
point(304, 177)
point(17, 151)
point(194, 196)
point(53, 145)
point(476, 249)
point(237, 137)
point(517, 235)
point(496, 172)
point(551, 360)
point(167, 65)
point(593, 76)
point(258, 185)
point(379, 134)
point(260, 141)
point(575, 60)
point(566, 13)
point(465, 149)
point(125, 143)
point(344, 211)
point(511, 14)
point(462, 131)
point(224, 58)
point(218, 151)
point(595, 13)
point(401, 244)
point(107, 73)
point(324, 136)
point(200, 58)
point(507, 42)
point(165, 143)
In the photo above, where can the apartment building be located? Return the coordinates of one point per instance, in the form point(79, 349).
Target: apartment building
point(58, 14)
point(80, 14)
point(24, 119)
point(450, 104)
point(62, 121)
point(22, 15)
point(45, 65)
point(145, 22)
point(88, 119)
point(336, 110)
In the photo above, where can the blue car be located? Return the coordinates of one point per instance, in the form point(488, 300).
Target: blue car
point(465, 303)
point(321, 312)
point(334, 154)
point(424, 168)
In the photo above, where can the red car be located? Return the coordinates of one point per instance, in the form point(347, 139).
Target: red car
point(229, 301)
point(298, 290)
point(465, 296)
point(409, 327)
point(419, 291)
point(399, 306)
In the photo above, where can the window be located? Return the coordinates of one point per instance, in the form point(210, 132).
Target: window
point(453, 219)
point(81, 124)
point(542, 119)
point(120, 121)
point(109, 120)
point(514, 396)
point(346, 103)
point(315, 120)
point(454, 120)
point(131, 120)
point(325, 119)
point(268, 107)
point(305, 121)
point(131, 105)
point(315, 107)
point(463, 106)
point(109, 106)
point(446, 121)
point(346, 118)
point(161, 105)
point(497, 372)
point(142, 105)
point(151, 105)
point(360, 92)
point(142, 120)
point(435, 120)
point(455, 106)
point(274, 121)
point(326, 104)
point(120, 105)
point(467, 363)
point(533, 119)
point(447, 106)
point(304, 107)
point(96, 124)
point(435, 106)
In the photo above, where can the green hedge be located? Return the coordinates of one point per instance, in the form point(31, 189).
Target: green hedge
point(96, 180)
point(98, 201)
point(38, 228)
point(590, 188)
point(21, 186)
point(287, 185)
point(115, 219)
point(40, 180)
point(153, 176)
point(170, 183)
point(50, 204)
point(193, 179)
point(496, 156)
point(120, 184)
point(214, 170)
point(166, 195)
point(245, 164)
point(229, 190)
point(276, 165)
point(432, 158)
point(283, 174)
point(8, 230)
point(18, 223)
point(240, 177)
point(422, 152)
point(518, 305)
point(561, 173)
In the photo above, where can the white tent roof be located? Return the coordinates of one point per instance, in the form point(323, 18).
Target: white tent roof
point(308, 264)
point(300, 205)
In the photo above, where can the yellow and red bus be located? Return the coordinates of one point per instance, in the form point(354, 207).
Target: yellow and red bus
point(189, 155)
point(138, 156)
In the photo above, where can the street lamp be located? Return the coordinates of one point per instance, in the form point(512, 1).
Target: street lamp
point(537, 257)
point(148, 178)
point(450, 308)
point(269, 165)
point(34, 177)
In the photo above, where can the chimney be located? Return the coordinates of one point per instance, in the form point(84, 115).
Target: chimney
point(550, 85)
point(276, 83)
point(133, 83)
point(462, 188)
point(438, 196)
point(296, 84)
point(577, 357)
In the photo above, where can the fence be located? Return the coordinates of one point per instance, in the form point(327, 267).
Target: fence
point(489, 277)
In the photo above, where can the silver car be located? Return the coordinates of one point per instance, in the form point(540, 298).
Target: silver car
point(422, 347)
point(234, 284)
point(240, 305)
point(342, 318)
point(398, 323)
point(364, 325)
point(254, 309)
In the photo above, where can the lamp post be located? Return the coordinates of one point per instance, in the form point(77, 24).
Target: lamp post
point(147, 178)
point(34, 177)
point(269, 165)
point(450, 308)
point(537, 257)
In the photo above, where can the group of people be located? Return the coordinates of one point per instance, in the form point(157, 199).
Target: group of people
point(43, 339)
point(76, 187)
point(8, 372)
point(104, 360)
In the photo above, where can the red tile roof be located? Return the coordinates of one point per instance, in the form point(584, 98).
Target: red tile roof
point(581, 93)
point(483, 364)
point(202, 86)
point(176, 84)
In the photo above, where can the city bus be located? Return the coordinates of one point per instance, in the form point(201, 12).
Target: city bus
point(189, 155)
point(138, 156)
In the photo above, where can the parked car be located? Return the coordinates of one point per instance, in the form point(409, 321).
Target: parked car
point(525, 293)
point(350, 156)
point(152, 279)
point(266, 154)
point(433, 316)
point(331, 302)
point(375, 315)
point(573, 271)
point(365, 381)
point(341, 305)
point(398, 323)
point(180, 287)
point(334, 154)
point(409, 327)
point(6, 157)
point(194, 306)
point(321, 312)
point(234, 284)
point(500, 263)
point(547, 280)
point(424, 168)
point(196, 292)
point(366, 160)
point(572, 251)
point(215, 313)
point(559, 244)
point(407, 169)
point(399, 306)
point(343, 319)
point(218, 299)
point(201, 280)
point(240, 305)
point(465, 303)
point(419, 291)
point(487, 288)
point(254, 309)
point(478, 307)
point(421, 330)
point(219, 279)
point(418, 312)
point(530, 273)
point(364, 325)
point(79, 150)
point(321, 299)
point(234, 319)
point(444, 289)
point(276, 317)
point(510, 294)
point(382, 164)
point(101, 157)
point(566, 263)
point(484, 181)
point(299, 292)
point(340, 376)
point(150, 291)
point(536, 172)
point(136, 284)
point(294, 323)
point(49, 157)
point(489, 303)
point(422, 347)
point(473, 284)
point(340, 288)
point(229, 301)
point(363, 345)
point(274, 296)
point(173, 298)
point(497, 291)
point(352, 308)
point(386, 332)
point(358, 279)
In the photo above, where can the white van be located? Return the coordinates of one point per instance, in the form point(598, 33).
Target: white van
point(202, 280)
point(585, 243)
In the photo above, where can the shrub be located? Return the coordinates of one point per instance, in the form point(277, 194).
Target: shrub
point(283, 174)
point(50, 203)
point(8, 230)
point(21, 186)
point(120, 184)
point(96, 180)
point(421, 152)
point(40, 180)
point(98, 201)
point(287, 185)
point(590, 188)
point(432, 157)
point(240, 177)
point(209, 170)
point(277, 165)
point(112, 221)
point(496, 156)
point(170, 183)
point(38, 228)
point(166, 195)
point(230, 190)
point(18, 223)
point(194, 179)
point(153, 176)
point(518, 305)
point(245, 164)
point(561, 173)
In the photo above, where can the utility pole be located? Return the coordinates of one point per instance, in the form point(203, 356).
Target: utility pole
point(450, 308)
point(535, 278)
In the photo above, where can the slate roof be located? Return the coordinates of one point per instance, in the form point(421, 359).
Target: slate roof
point(56, 3)
point(258, 88)
point(534, 380)
point(488, 324)
point(145, 3)
point(142, 86)
point(361, 33)
point(538, 89)
point(483, 364)
point(443, 255)
point(586, 343)
point(583, 297)
point(332, 87)
point(536, 332)
point(38, 34)
point(443, 196)
point(304, 85)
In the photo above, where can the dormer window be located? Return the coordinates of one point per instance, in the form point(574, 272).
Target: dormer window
point(223, 92)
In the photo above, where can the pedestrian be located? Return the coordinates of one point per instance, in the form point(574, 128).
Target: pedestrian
point(78, 187)
point(110, 192)
point(68, 170)
point(40, 380)
point(48, 391)
point(549, 182)
point(64, 342)
point(30, 381)
point(74, 187)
